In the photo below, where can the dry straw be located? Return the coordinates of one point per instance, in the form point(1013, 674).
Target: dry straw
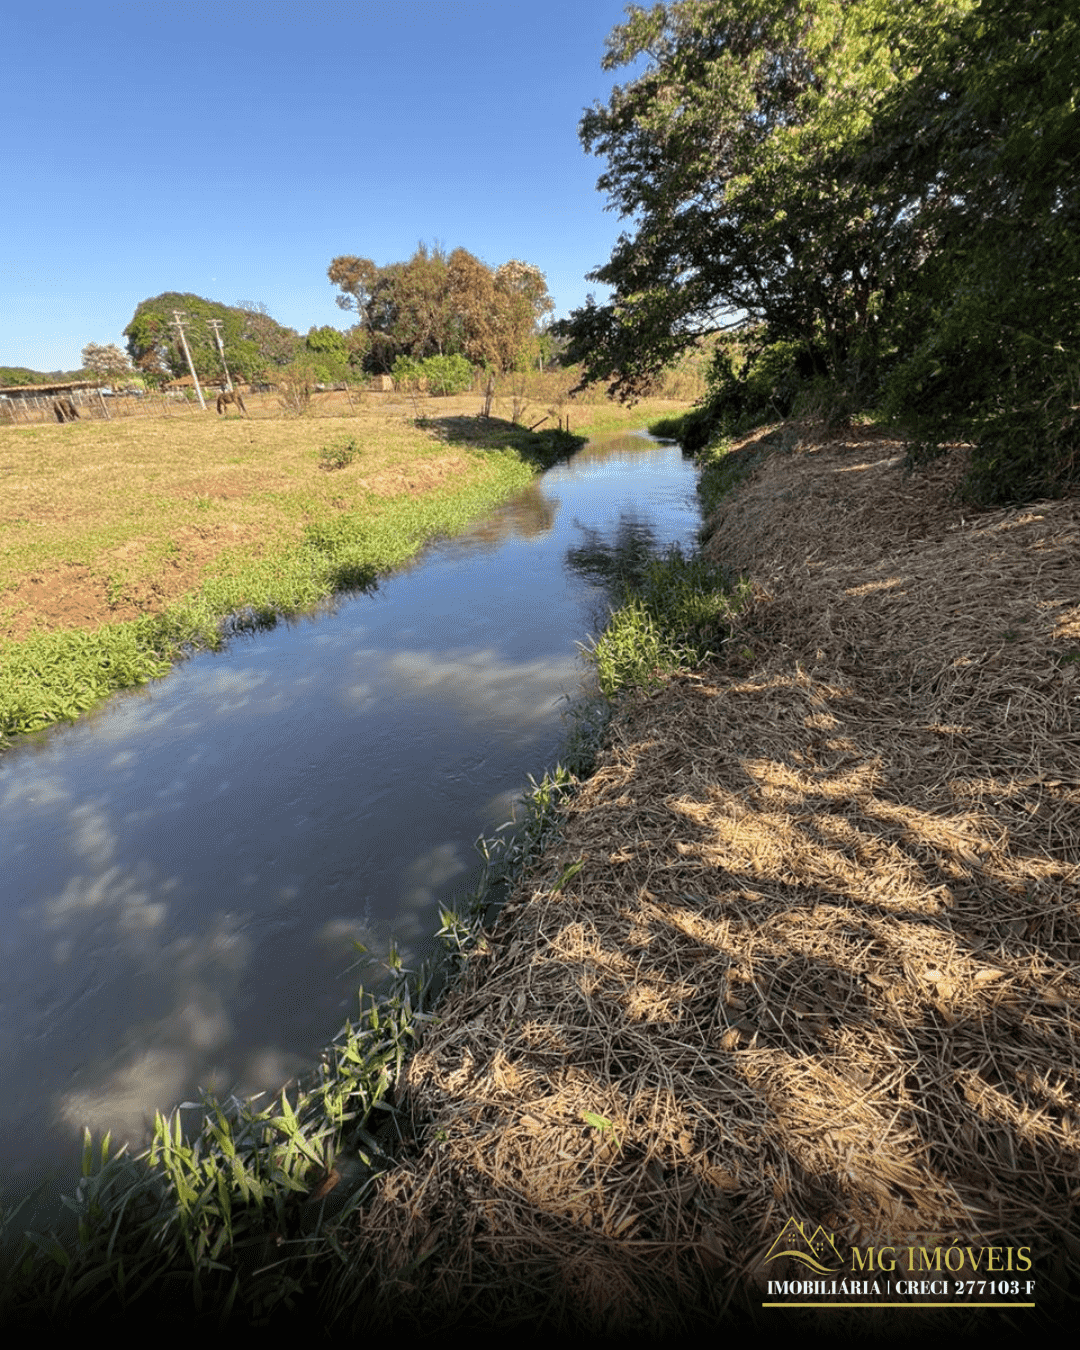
point(820, 959)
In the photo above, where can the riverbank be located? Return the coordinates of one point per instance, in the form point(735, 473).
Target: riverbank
point(795, 995)
point(124, 543)
point(800, 955)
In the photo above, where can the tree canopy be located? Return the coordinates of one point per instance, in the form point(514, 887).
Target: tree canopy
point(888, 185)
point(982, 150)
point(106, 362)
point(255, 344)
point(439, 304)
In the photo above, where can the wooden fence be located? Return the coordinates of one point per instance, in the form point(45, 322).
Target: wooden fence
point(92, 405)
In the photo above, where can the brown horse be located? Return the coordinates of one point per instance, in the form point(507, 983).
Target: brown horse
point(230, 396)
point(65, 410)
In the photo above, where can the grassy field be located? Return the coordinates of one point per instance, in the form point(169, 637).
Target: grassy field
point(122, 540)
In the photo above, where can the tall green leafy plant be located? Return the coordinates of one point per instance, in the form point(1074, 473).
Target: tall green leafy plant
point(988, 333)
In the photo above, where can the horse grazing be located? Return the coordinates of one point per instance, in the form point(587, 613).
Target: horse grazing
point(230, 396)
point(65, 410)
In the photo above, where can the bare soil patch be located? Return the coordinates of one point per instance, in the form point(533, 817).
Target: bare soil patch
point(820, 962)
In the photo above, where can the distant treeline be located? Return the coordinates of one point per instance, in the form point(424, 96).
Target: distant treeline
point(17, 375)
point(434, 307)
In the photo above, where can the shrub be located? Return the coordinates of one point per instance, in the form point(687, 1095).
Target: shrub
point(407, 372)
point(752, 380)
point(295, 386)
point(438, 374)
point(337, 454)
point(673, 615)
point(447, 374)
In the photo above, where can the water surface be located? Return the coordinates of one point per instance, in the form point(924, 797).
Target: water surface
point(184, 874)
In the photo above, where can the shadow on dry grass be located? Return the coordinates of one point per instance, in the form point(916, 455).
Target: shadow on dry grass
point(818, 961)
point(540, 448)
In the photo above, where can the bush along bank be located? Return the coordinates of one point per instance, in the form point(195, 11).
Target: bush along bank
point(243, 1215)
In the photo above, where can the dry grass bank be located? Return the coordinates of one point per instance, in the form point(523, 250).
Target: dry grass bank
point(821, 961)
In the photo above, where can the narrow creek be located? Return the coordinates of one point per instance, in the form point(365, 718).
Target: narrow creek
point(185, 872)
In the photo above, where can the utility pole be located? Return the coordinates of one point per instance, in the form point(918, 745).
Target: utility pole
point(179, 326)
point(215, 324)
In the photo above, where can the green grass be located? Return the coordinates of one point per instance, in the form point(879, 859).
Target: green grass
point(667, 428)
point(671, 618)
point(595, 419)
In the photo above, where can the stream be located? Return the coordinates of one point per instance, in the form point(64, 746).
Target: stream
point(185, 872)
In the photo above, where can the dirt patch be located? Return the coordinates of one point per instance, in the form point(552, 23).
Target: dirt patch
point(122, 586)
point(817, 973)
point(67, 596)
point(227, 487)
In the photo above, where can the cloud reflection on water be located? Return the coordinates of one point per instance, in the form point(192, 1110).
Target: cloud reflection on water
point(168, 1051)
point(482, 684)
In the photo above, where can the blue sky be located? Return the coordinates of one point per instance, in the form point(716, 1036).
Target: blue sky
point(232, 149)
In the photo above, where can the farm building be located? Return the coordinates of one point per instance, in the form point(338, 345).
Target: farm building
point(32, 402)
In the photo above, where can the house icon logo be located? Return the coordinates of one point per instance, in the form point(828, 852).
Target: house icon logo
point(813, 1251)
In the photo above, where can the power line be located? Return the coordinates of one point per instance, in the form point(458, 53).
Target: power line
point(178, 317)
point(215, 324)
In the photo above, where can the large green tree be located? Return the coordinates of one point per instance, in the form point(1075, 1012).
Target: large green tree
point(729, 156)
point(981, 148)
point(890, 186)
point(439, 304)
point(403, 308)
point(329, 353)
point(255, 344)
